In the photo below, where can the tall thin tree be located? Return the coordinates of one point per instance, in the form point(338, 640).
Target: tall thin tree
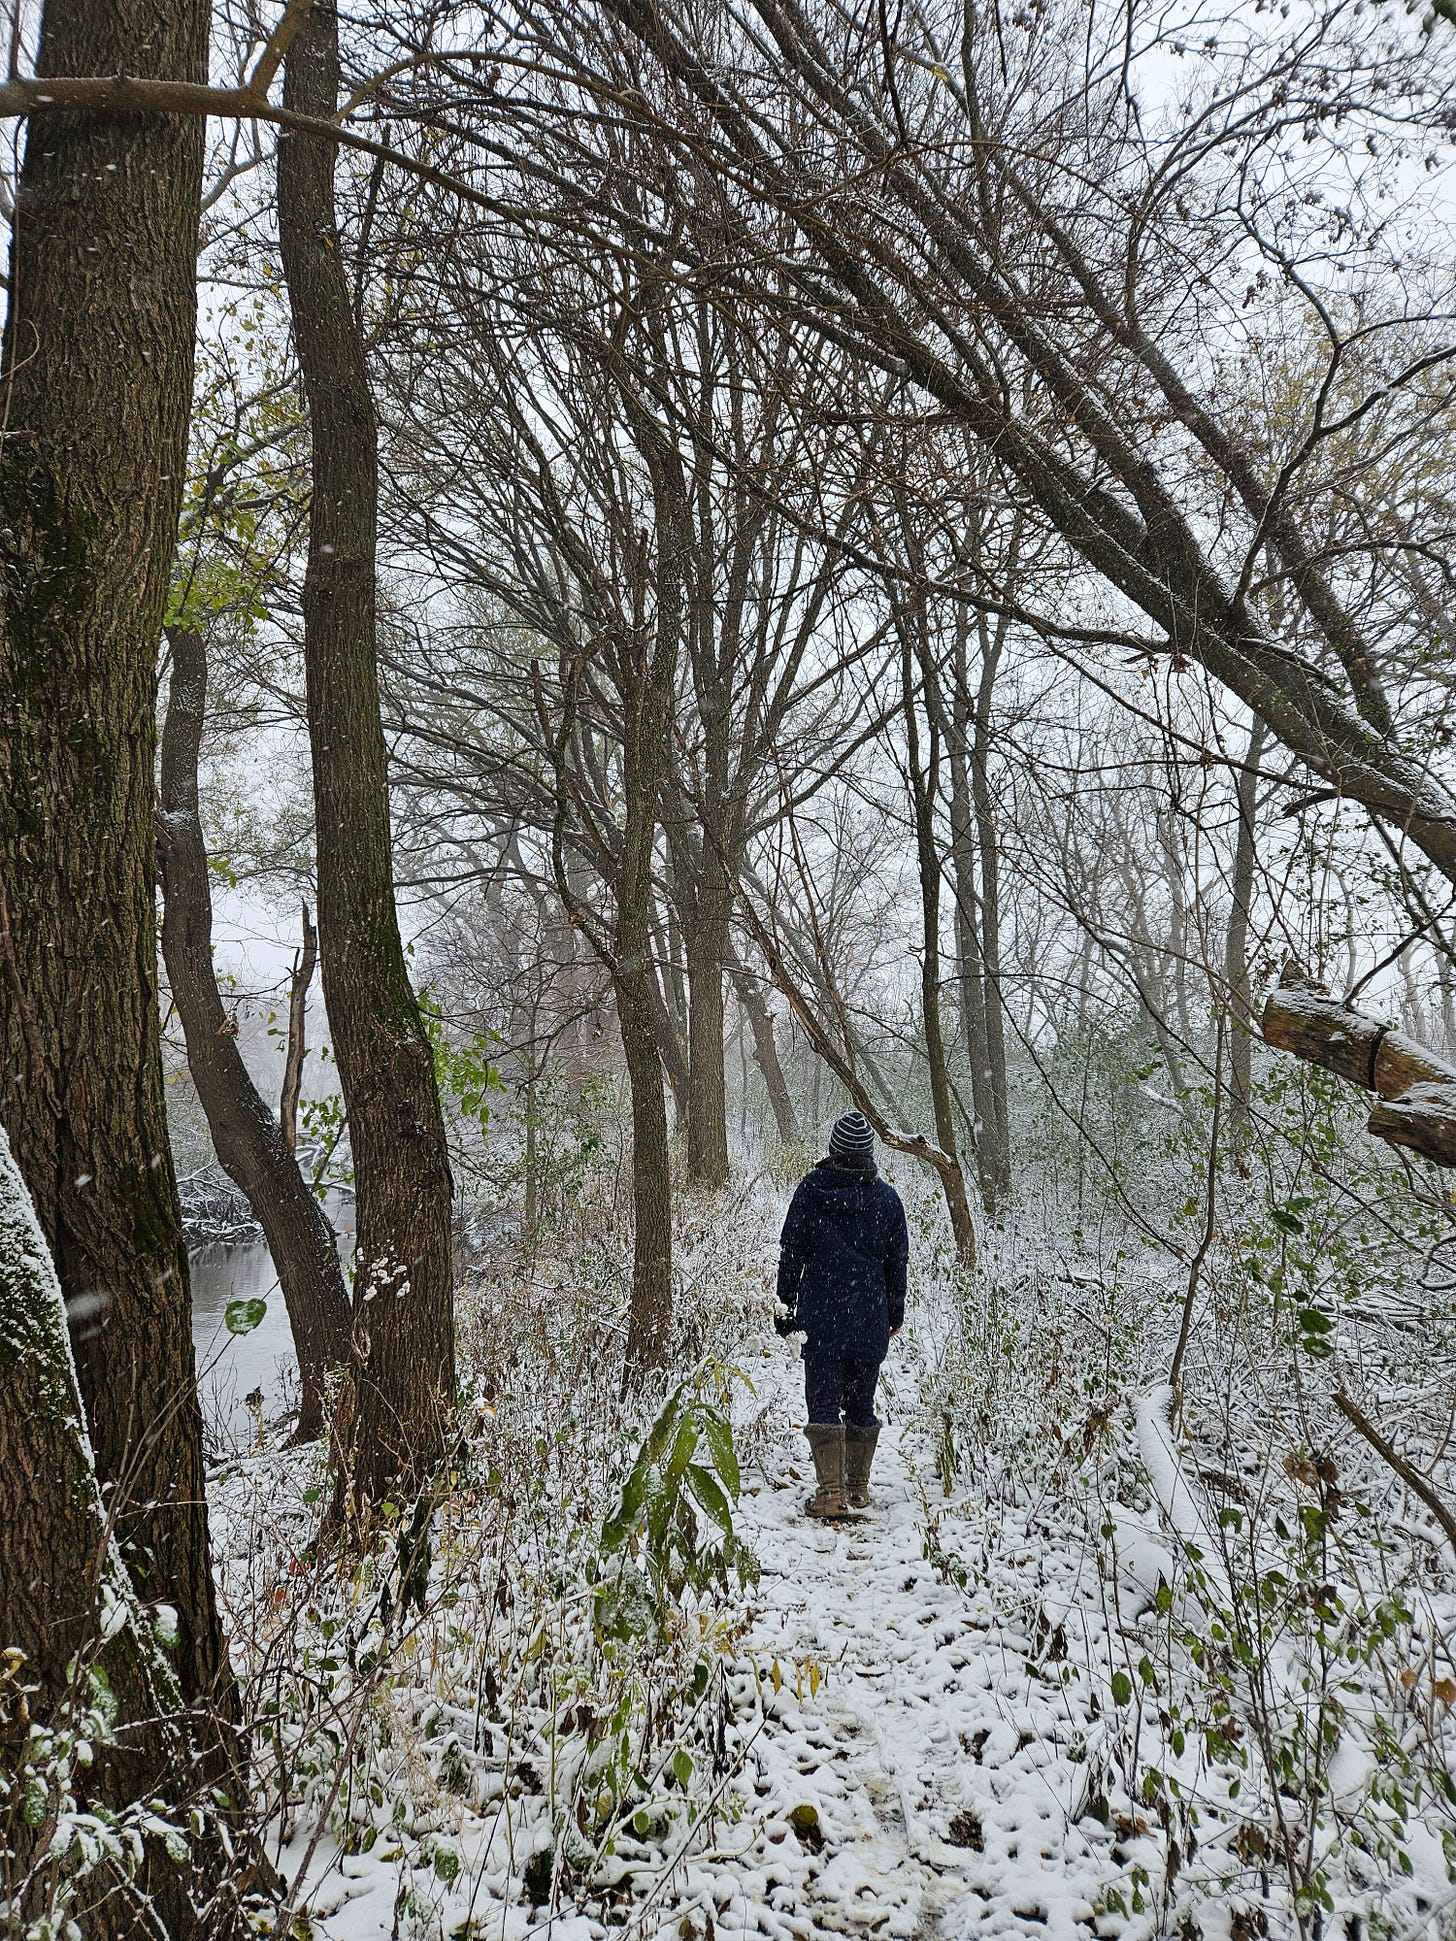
point(403, 1357)
point(251, 1144)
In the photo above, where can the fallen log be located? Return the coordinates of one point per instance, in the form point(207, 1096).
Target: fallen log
point(1417, 1087)
point(1316, 1027)
point(1424, 1119)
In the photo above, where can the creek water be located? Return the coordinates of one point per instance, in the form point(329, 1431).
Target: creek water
point(231, 1368)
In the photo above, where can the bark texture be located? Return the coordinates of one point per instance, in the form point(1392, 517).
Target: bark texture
point(58, 1561)
point(250, 1142)
point(1417, 1087)
point(403, 1350)
point(766, 1057)
point(98, 355)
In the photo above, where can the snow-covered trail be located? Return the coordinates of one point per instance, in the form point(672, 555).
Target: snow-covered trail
point(912, 1752)
point(934, 1752)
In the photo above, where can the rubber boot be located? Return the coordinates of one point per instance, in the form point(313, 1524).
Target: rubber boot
point(859, 1453)
point(826, 1444)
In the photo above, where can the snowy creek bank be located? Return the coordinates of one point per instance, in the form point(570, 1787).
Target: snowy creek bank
point(247, 1376)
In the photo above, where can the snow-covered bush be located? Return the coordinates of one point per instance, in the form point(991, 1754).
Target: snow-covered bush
point(1249, 1611)
point(536, 1661)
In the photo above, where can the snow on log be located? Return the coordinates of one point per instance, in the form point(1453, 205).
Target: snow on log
point(1424, 1119)
point(1322, 1031)
point(1417, 1087)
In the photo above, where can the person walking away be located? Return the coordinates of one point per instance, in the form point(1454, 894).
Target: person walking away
point(843, 1256)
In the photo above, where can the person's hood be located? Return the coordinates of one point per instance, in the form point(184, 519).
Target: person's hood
point(828, 1172)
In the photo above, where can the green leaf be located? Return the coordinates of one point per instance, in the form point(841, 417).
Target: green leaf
point(725, 1458)
point(1121, 1688)
point(623, 1520)
point(682, 1449)
point(682, 1766)
point(242, 1317)
point(660, 1434)
point(659, 1515)
point(1313, 1322)
point(705, 1489)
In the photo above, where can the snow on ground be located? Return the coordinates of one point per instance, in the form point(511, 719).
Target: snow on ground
point(1021, 1707)
point(934, 1756)
point(910, 1766)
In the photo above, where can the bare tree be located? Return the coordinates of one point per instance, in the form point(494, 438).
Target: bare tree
point(1019, 181)
point(252, 1145)
point(403, 1360)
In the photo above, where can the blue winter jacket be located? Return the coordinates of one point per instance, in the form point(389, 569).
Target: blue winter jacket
point(842, 1260)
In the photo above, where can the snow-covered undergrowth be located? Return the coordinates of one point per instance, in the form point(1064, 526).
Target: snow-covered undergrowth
point(1094, 1663)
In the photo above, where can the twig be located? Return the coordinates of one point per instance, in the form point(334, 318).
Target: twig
point(1210, 1224)
point(1412, 1478)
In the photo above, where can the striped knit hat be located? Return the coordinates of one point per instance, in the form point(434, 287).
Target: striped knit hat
point(852, 1143)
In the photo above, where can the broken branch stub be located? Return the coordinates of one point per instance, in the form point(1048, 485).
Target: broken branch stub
point(1417, 1087)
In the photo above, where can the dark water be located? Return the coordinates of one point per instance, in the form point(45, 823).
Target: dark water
point(260, 1364)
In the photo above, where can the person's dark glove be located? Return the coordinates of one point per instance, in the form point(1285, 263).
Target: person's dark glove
point(784, 1323)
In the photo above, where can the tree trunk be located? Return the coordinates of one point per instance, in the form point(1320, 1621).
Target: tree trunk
point(1236, 954)
point(975, 848)
point(303, 970)
point(98, 344)
point(1301, 1018)
point(403, 1359)
point(668, 1036)
point(58, 1564)
point(975, 998)
point(988, 846)
point(643, 743)
point(766, 1057)
point(249, 1140)
point(923, 787)
point(651, 1312)
point(532, 1213)
point(707, 952)
point(1417, 1088)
